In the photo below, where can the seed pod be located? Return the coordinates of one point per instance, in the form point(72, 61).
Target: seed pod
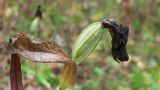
point(35, 24)
point(36, 21)
point(87, 41)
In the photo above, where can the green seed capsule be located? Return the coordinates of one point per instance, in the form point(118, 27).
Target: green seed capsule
point(87, 41)
point(34, 25)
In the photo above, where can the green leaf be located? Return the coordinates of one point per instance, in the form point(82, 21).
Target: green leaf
point(86, 42)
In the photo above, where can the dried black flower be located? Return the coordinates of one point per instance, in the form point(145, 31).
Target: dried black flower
point(119, 34)
point(38, 12)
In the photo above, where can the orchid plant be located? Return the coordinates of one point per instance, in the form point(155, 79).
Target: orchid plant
point(22, 46)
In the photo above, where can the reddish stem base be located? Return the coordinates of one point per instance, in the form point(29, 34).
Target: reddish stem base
point(15, 73)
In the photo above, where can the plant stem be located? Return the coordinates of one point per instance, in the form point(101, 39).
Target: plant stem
point(15, 73)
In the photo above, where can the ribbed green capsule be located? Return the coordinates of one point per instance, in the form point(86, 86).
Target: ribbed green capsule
point(86, 42)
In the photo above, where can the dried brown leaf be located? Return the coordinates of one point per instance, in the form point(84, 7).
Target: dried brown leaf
point(46, 52)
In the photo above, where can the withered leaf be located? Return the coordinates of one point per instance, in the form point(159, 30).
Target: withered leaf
point(119, 34)
point(46, 52)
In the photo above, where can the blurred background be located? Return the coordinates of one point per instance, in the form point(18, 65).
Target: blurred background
point(62, 22)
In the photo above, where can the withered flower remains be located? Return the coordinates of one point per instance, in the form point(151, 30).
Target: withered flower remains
point(38, 12)
point(119, 34)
